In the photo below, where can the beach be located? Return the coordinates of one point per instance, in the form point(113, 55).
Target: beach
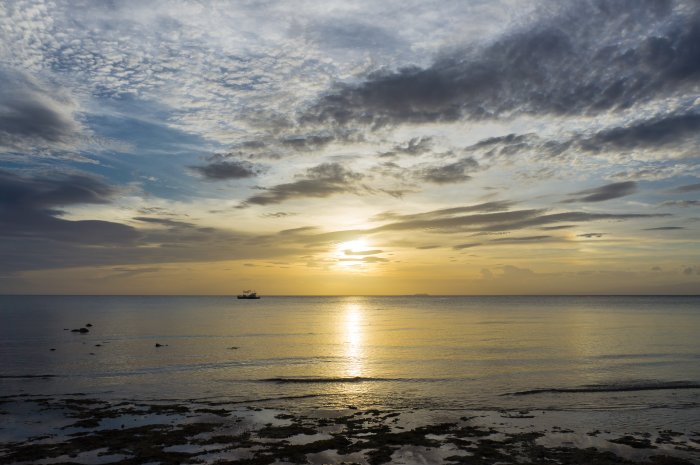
point(78, 429)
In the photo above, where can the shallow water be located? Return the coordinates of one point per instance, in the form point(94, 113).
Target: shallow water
point(637, 353)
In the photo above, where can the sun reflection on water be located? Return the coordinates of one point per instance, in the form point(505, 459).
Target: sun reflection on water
point(353, 340)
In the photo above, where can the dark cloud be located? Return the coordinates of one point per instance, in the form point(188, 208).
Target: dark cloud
point(450, 173)
point(278, 214)
point(681, 203)
point(223, 167)
point(444, 212)
point(554, 228)
point(655, 133)
point(415, 146)
point(301, 230)
point(165, 222)
point(512, 144)
point(307, 142)
point(606, 192)
point(320, 181)
point(591, 235)
point(678, 132)
point(448, 221)
point(522, 239)
point(566, 217)
point(30, 208)
point(466, 245)
point(32, 115)
point(665, 228)
point(590, 57)
point(687, 188)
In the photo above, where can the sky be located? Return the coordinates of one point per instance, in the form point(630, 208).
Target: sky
point(350, 147)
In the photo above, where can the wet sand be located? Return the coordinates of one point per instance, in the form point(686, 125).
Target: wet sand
point(79, 429)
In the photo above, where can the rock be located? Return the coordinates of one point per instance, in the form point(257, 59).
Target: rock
point(233, 348)
point(89, 325)
point(81, 330)
point(52, 350)
point(98, 345)
point(160, 345)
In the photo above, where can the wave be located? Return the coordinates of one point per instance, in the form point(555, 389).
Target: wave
point(26, 376)
point(658, 386)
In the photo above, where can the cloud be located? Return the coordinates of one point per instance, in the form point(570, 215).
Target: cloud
point(279, 214)
point(522, 239)
point(466, 245)
point(591, 235)
point(29, 209)
point(687, 188)
point(35, 116)
point(224, 167)
point(444, 212)
point(659, 132)
point(606, 192)
point(323, 180)
point(362, 252)
point(165, 222)
point(589, 57)
point(374, 259)
point(681, 203)
point(415, 146)
point(342, 33)
point(655, 171)
point(665, 228)
point(450, 173)
point(451, 221)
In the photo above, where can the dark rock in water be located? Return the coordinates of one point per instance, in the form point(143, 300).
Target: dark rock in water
point(160, 345)
point(89, 325)
point(52, 350)
point(233, 348)
point(81, 330)
point(98, 345)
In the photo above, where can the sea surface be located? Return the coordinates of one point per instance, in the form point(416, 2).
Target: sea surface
point(632, 354)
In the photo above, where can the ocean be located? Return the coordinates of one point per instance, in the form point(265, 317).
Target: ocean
point(585, 353)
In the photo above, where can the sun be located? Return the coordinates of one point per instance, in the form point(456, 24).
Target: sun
point(349, 255)
point(350, 247)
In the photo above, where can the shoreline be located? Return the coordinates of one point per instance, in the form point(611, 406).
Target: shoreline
point(79, 428)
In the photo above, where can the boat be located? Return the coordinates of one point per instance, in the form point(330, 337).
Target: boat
point(248, 295)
